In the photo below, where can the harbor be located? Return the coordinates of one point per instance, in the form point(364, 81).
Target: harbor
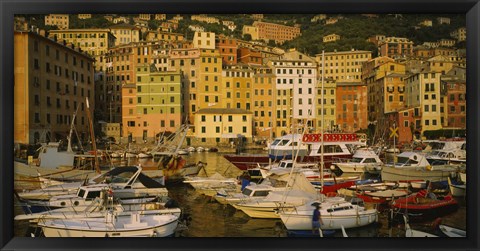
point(204, 217)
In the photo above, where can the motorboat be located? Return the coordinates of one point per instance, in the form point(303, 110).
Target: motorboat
point(335, 213)
point(414, 166)
point(306, 147)
point(409, 232)
point(362, 161)
point(210, 185)
point(425, 205)
point(457, 190)
point(135, 225)
point(451, 231)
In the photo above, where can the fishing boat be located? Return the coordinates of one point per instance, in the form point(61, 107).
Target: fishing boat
point(414, 166)
point(457, 190)
point(425, 205)
point(210, 185)
point(409, 232)
point(362, 161)
point(335, 212)
point(306, 147)
point(112, 226)
point(451, 231)
point(378, 193)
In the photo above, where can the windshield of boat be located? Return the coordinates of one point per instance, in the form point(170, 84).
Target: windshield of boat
point(370, 160)
point(261, 193)
point(406, 161)
point(280, 142)
point(436, 145)
point(247, 191)
point(356, 160)
point(81, 192)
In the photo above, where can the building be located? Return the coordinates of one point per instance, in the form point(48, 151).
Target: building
point(331, 20)
point(111, 130)
point(153, 36)
point(236, 87)
point(343, 66)
point(158, 105)
point(447, 42)
point(120, 19)
point(250, 56)
point(160, 16)
point(460, 34)
point(196, 28)
point(187, 60)
point(204, 40)
point(52, 80)
point(229, 24)
point(205, 19)
point(264, 102)
point(252, 31)
point(218, 125)
point(331, 38)
point(329, 105)
point(406, 125)
point(395, 47)
point(93, 41)
point(426, 23)
point(423, 92)
point(59, 20)
point(351, 106)
point(296, 75)
point(228, 49)
point(443, 20)
point(145, 17)
point(125, 33)
point(318, 17)
point(257, 16)
point(453, 89)
point(376, 39)
point(84, 16)
point(276, 32)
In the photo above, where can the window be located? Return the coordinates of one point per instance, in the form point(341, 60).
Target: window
point(405, 123)
point(230, 118)
point(426, 108)
point(204, 129)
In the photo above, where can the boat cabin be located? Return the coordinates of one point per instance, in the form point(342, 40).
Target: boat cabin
point(410, 159)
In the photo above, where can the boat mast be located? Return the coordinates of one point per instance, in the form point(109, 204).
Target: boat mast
point(69, 147)
point(322, 164)
point(92, 135)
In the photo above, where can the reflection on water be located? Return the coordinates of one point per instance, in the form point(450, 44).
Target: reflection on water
point(211, 219)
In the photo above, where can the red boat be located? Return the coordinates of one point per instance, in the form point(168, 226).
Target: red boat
point(425, 205)
point(307, 148)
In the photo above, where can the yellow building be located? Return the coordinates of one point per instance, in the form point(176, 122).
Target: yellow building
point(204, 40)
point(219, 125)
point(51, 81)
point(331, 38)
point(125, 33)
point(160, 16)
point(264, 102)
point(59, 20)
point(144, 16)
point(250, 30)
point(329, 105)
point(236, 87)
point(164, 36)
point(158, 106)
point(93, 41)
point(209, 80)
point(205, 19)
point(344, 66)
point(84, 16)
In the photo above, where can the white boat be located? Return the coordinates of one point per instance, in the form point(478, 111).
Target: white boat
point(191, 149)
point(414, 166)
point(274, 201)
point(455, 143)
point(144, 155)
point(200, 149)
point(112, 226)
point(335, 212)
point(452, 232)
point(182, 152)
point(457, 190)
point(362, 161)
point(250, 193)
point(210, 185)
point(409, 232)
point(447, 156)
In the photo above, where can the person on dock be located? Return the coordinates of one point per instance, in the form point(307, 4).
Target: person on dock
point(316, 219)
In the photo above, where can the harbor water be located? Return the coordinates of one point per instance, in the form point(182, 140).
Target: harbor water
point(208, 218)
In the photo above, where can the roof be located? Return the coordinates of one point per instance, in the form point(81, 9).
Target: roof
point(124, 26)
point(223, 111)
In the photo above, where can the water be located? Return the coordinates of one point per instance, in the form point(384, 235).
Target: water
point(211, 219)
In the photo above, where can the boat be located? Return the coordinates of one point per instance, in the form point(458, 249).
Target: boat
point(447, 156)
point(210, 185)
point(335, 213)
point(249, 193)
point(380, 193)
point(306, 147)
point(362, 161)
point(191, 149)
point(414, 166)
point(112, 226)
point(448, 144)
point(409, 232)
point(451, 231)
point(143, 155)
point(457, 190)
point(425, 205)
point(200, 149)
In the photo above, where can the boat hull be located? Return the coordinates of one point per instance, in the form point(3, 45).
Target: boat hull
point(399, 174)
point(245, 162)
point(296, 221)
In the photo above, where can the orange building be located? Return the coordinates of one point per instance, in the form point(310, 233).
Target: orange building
point(351, 101)
point(228, 49)
point(395, 47)
point(276, 32)
point(249, 56)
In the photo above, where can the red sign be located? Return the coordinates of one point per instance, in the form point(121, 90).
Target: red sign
point(330, 137)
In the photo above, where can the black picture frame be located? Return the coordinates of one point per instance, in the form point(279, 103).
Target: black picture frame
point(471, 9)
